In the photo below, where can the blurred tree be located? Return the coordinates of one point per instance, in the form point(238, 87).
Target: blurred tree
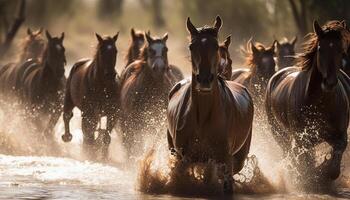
point(108, 8)
point(9, 28)
point(156, 8)
point(45, 12)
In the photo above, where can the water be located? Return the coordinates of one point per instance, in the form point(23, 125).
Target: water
point(28, 169)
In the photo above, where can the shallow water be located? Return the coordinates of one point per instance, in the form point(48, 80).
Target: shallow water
point(25, 177)
point(69, 176)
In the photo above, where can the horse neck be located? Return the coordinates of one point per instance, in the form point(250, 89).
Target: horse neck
point(204, 105)
point(314, 79)
point(133, 54)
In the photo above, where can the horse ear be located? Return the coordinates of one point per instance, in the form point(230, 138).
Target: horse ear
point(217, 23)
point(227, 42)
point(115, 37)
point(132, 33)
point(343, 23)
point(253, 47)
point(99, 38)
point(48, 35)
point(165, 37)
point(190, 27)
point(294, 40)
point(62, 36)
point(148, 37)
point(272, 47)
point(317, 29)
point(29, 31)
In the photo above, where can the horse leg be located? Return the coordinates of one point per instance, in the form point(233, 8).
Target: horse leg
point(170, 143)
point(241, 155)
point(226, 173)
point(331, 167)
point(111, 121)
point(67, 116)
point(89, 124)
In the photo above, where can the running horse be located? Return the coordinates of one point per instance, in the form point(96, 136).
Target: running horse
point(225, 64)
point(41, 85)
point(209, 118)
point(137, 42)
point(262, 67)
point(144, 91)
point(93, 87)
point(308, 104)
point(285, 52)
point(32, 47)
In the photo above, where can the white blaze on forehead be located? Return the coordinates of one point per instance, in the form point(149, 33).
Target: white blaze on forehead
point(266, 59)
point(204, 40)
point(58, 47)
point(158, 48)
point(331, 44)
point(109, 47)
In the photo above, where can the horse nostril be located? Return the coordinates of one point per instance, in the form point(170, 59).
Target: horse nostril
point(198, 78)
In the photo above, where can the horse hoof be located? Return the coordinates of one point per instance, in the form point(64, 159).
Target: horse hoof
point(67, 137)
point(228, 190)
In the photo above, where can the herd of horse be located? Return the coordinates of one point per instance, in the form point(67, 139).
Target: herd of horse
point(304, 97)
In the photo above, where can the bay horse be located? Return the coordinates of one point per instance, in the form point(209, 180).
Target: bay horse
point(209, 118)
point(137, 42)
point(261, 61)
point(93, 87)
point(41, 85)
point(33, 45)
point(285, 53)
point(225, 64)
point(144, 91)
point(308, 104)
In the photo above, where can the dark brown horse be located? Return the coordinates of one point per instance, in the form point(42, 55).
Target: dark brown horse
point(308, 104)
point(261, 61)
point(225, 64)
point(209, 118)
point(145, 87)
point(41, 85)
point(92, 86)
point(285, 52)
point(32, 48)
point(33, 45)
point(137, 42)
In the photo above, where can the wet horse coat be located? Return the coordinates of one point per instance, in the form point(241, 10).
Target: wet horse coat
point(93, 87)
point(308, 104)
point(209, 118)
point(39, 84)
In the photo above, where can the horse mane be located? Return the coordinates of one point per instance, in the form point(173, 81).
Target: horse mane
point(335, 28)
point(247, 52)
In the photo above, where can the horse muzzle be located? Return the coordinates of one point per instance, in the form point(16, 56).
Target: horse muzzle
point(204, 83)
point(159, 66)
point(329, 84)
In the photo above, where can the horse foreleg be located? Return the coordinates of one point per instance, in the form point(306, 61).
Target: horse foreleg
point(331, 168)
point(89, 124)
point(111, 121)
point(226, 173)
point(67, 116)
point(241, 155)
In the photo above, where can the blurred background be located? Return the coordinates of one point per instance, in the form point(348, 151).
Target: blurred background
point(79, 19)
